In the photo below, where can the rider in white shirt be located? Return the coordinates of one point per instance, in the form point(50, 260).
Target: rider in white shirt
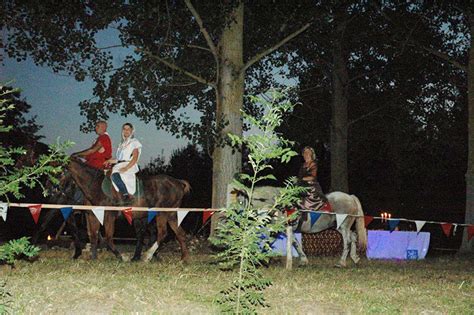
point(126, 163)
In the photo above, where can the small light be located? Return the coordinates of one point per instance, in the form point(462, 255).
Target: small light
point(49, 238)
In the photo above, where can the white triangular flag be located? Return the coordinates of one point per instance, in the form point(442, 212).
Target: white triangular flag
point(99, 213)
point(419, 225)
point(181, 215)
point(340, 219)
point(3, 210)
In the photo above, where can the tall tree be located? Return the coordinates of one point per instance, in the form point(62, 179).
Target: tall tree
point(404, 107)
point(450, 42)
point(23, 130)
point(347, 32)
point(177, 54)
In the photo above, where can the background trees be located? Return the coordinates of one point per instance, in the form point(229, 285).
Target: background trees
point(177, 54)
point(383, 88)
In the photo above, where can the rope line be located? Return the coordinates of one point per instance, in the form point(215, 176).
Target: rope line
point(146, 209)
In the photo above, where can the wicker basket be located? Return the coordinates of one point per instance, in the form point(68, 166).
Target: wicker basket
point(325, 243)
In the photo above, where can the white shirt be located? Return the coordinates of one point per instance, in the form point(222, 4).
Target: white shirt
point(124, 152)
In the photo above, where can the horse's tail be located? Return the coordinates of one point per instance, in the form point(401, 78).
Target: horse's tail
point(360, 225)
point(187, 186)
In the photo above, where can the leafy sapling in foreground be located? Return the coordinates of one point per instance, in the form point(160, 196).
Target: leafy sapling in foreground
point(246, 232)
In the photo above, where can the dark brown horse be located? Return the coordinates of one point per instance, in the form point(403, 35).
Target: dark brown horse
point(160, 191)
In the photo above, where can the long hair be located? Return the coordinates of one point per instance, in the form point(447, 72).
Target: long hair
point(313, 154)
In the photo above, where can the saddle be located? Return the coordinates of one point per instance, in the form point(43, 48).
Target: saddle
point(107, 188)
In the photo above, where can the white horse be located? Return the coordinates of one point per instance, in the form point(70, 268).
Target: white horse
point(341, 203)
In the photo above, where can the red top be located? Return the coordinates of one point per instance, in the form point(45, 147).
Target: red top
point(98, 158)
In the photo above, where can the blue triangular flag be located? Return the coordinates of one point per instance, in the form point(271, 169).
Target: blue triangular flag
point(66, 212)
point(314, 217)
point(151, 215)
point(392, 224)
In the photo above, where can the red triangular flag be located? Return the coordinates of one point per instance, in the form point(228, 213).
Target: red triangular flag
point(127, 213)
point(289, 212)
point(447, 228)
point(206, 215)
point(367, 220)
point(35, 212)
point(470, 232)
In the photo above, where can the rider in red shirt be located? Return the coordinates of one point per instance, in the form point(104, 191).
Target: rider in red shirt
point(101, 150)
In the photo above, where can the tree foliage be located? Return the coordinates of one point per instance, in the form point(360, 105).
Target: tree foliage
point(13, 177)
point(405, 106)
point(121, 46)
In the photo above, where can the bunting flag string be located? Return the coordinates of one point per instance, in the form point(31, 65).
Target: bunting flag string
point(181, 216)
point(340, 219)
point(3, 210)
point(447, 228)
point(66, 212)
point(470, 232)
point(392, 224)
point(35, 211)
point(314, 217)
point(206, 215)
point(151, 215)
point(99, 213)
point(368, 219)
point(127, 213)
point(419, 225)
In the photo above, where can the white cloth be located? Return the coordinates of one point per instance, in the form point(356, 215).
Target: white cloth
point(124, 152)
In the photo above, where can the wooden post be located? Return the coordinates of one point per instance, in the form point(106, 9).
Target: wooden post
point(289, 256)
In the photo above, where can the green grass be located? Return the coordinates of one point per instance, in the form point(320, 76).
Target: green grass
point(56, 284)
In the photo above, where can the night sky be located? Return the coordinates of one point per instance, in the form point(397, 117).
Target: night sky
point(54, 99)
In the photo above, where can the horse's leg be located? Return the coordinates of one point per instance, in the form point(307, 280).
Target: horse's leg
point(71, 221)
point(140, 225)
point(345, 232)
point(180, 237)
point(93, 226)
point(299, 250)
point(109, 221)
point(161, 231)
point(355, 258)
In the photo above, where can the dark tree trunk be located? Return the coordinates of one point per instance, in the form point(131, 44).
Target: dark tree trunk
point(339, 121)
point(468, 246)
point(229, 101)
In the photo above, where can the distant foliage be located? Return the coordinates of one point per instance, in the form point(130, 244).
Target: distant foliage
point(246, 233)
point(12, 176)
point(17, 249)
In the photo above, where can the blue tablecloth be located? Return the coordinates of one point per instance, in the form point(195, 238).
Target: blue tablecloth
point(397, 245)
point(279, 245)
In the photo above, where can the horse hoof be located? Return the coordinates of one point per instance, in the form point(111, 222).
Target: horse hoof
point(76, 255)
point(356, 260)
point(136, 258)
point(339, 265)
point(185, 260)
point(304, 261)
point(125, 258)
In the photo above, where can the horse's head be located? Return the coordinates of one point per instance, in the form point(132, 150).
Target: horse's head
point(263, 197)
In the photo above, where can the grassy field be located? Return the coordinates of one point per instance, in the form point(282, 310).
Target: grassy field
point(54, 284)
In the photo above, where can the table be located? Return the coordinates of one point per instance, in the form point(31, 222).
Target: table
point(397, 245)
point(279, 245)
